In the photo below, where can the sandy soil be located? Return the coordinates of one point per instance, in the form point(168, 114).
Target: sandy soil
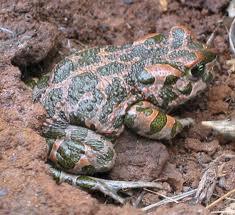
point(35, 34)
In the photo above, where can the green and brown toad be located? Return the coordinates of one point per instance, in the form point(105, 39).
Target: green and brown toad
point(94, 93)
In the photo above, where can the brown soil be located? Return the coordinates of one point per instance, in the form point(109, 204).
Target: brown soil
point(39, 34)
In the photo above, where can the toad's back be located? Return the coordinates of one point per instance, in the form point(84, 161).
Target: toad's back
point(90, 88)
point(94, 87)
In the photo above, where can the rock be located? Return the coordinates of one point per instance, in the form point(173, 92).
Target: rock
point(138, 158)
point(228, 180)
point(36, 45)
point(173, 177)
point(198, 146)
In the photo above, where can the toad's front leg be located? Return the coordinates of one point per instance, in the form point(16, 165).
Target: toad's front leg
point(84, 152)
point(147, 120)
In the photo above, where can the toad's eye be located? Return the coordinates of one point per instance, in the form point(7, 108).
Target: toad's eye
point(198, 70)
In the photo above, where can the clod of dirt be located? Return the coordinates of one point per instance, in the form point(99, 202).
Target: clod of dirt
point(228, 180)
point(213, 5)
point(218, 107)
point(16, 106)
point(182, 209)
point(191, 173)
point(218, 96)
point(198, 146)
point(173, 177)
point(220, 92)
point(138, 158)
point(231, 81)
point(35, 45)
point(216, 5)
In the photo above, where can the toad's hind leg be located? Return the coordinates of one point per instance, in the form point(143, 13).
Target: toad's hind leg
point(82, 151)
point(148, 121)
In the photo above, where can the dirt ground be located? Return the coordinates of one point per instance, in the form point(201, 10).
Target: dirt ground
point(34, 35)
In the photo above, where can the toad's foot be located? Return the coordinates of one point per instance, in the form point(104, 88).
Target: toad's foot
point(108, 187)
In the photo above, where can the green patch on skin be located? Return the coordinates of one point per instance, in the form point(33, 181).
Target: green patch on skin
point(187, 90)
point(194, 45)
point(40, 87)
point(88, 170)
point(111, 69)
point(104, 159)
point(43, 82)
point(158, 123)
point(140, 103)
point(95, 144)
point(31, 83)
point(108, 138)
point(85, 182)
point(118, 122)
point(62, 70)
point(78, 134)
point(152, 99)
point(87, 108)
point(69, 153)
point(53, 97)
point(140, 51)
point(137, 67)
point(147, 111)
point(154, 39)
point(117, 48)
point(111, 49)
point(167, 95)
point(129, 120)
point(54, 131)
point(178, 38)
point(170, 80)
point(158, 54)
point(50, 143)
point(177, 127)
point(145, 77)
point(208, 55)
point(116, 93)
point(88, 57)
point(159, 38)
point(185, 54)
point(126, 57)
point(77, 118)
point(82, 83)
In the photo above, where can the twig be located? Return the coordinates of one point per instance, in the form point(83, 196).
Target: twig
point(165, 201)
point(208, 181)
point(220, 212)
point(159, 194)
point(136, 203)
point(6, 30)
point(220, 199)
point(212, 36)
